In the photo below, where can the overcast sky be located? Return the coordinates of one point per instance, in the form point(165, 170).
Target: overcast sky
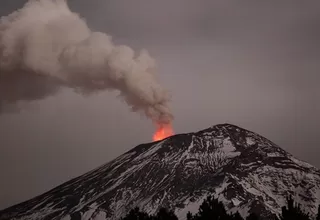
point(254, 64)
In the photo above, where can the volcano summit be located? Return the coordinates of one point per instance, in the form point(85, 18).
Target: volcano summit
point(244, 170)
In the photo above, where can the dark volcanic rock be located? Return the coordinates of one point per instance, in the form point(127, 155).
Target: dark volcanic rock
point(244, 170)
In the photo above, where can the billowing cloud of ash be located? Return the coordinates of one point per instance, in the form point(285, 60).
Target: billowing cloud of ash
point(44, 46)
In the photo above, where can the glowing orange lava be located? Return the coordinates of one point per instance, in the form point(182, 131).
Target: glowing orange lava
point(163, 132)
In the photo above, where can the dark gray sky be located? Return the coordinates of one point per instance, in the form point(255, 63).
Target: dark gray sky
point(250, 63)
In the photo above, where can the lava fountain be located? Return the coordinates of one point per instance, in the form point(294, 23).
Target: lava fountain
point(162, 132)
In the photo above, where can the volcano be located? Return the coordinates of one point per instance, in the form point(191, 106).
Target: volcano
point(244, 170)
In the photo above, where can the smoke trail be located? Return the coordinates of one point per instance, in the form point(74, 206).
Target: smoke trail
point(44, 46)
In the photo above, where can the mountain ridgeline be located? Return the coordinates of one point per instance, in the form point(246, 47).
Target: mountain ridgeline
point(244, 171)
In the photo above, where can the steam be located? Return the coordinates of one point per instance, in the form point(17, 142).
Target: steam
point(44, 46)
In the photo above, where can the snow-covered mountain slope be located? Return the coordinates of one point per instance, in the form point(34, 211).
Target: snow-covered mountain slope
point(244, 170)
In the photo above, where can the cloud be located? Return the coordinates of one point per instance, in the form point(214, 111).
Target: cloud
point(44, 46)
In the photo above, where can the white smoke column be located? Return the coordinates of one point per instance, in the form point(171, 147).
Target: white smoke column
point(44, 45)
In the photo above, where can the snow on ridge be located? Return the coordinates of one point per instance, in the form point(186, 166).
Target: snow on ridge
point(261, 183)
point(149, 152)
point(67, 217)
point(87, 215)
point(274, 154)
point(227, 145)
point(38, 215)
point(229, 149)
point(207, 152)
point(236, 202)
point(301, 163)
point(250, 141)
point(186, 154)
point(100, 216)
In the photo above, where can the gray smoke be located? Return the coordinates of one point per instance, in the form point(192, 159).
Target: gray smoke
point(44, 46)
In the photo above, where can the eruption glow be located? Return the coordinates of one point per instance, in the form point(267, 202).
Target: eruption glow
point(163, 132)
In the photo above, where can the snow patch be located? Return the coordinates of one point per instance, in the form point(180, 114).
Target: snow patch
point(274, 154)
point(66, 217)
point(100, 216)
point(87, 215)
point(228, 146)
point(301, 163)
point(250, 141)
point(235, 201)
point(149, 152)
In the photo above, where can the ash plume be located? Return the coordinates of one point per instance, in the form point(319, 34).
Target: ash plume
point(44, 46)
